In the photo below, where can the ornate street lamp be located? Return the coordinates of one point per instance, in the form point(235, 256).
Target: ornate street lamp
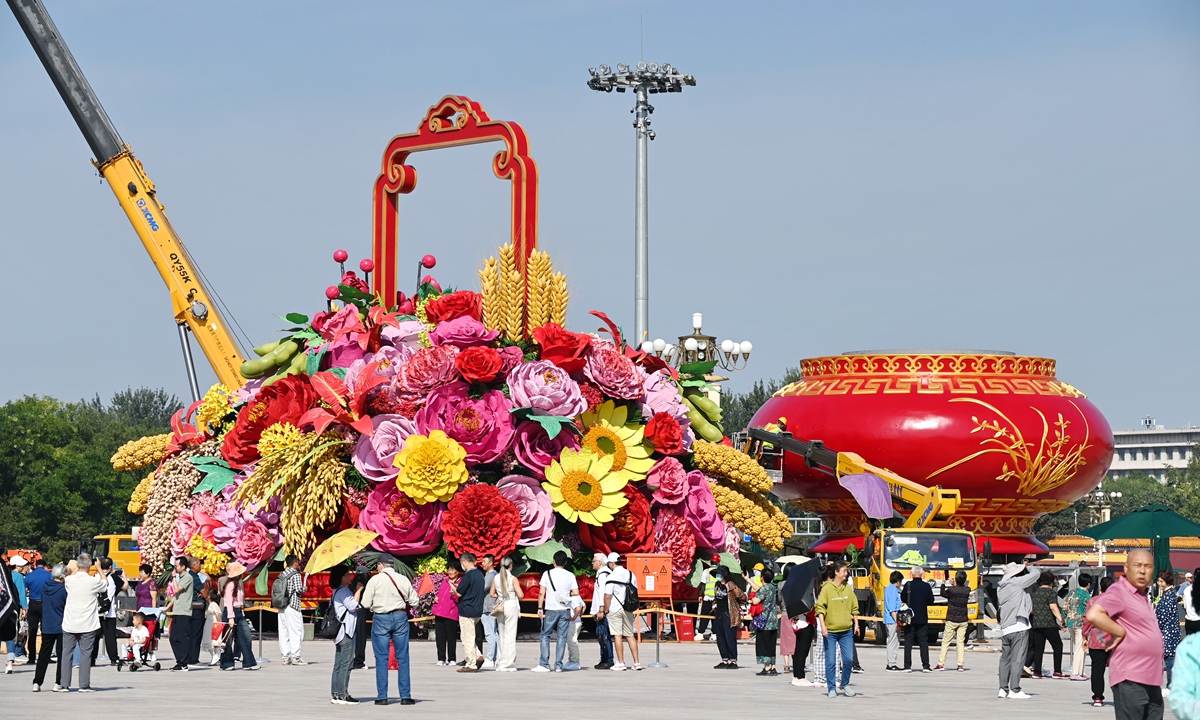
point(699, 347)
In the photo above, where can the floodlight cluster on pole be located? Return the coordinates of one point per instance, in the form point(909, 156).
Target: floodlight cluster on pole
point(645, 80)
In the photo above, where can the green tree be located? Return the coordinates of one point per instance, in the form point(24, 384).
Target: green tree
point(1137, 490)
point(57, 485)
point(738, 409)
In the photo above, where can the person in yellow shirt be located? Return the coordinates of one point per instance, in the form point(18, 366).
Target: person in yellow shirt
point(837, 612)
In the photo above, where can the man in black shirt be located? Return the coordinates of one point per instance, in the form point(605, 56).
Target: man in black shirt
point(919, 596)
point(470, 610)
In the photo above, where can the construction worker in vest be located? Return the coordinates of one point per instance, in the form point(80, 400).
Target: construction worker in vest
point(709, 581)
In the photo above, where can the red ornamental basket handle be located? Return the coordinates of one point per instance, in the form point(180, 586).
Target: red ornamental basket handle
point(454, 121)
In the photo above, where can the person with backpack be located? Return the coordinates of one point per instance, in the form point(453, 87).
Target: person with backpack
point(554, 608)
point(285, 595)
point(620, 601)
point(343, 607)
point(603, 637)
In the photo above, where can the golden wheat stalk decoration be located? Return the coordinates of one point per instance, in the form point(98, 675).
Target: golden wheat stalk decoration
point(512, 290)
point(558, 299)
point(489, 278)
point(1049, 465)
point(540, 272)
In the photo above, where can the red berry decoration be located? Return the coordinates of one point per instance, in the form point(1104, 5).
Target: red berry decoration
point(340, 256)
point(367, 265)
point(332, 292)
point(428, 261)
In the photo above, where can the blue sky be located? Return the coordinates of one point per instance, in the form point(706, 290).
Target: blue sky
point(1020, 176)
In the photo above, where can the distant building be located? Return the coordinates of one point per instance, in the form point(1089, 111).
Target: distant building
point(1152, 450)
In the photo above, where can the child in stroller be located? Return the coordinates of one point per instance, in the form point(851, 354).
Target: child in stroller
point(138, 649)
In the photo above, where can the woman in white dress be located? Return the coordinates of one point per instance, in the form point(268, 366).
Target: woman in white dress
point(507, 592)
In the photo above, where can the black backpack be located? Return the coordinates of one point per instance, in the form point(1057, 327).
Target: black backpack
point(631, 601)
point(331, 624)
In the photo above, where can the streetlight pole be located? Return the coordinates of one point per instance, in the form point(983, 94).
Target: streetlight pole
point(645, 80)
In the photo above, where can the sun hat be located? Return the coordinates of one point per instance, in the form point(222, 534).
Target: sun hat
point(234, 569)
point(1012, 569)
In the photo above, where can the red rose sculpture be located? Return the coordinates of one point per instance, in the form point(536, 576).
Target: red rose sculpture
point(480, 520)
point(479, 364)
point(455, 305)
point(564, 348)
point(630, 531)
point(664, 432)
point(673, 534)
point(283, 401)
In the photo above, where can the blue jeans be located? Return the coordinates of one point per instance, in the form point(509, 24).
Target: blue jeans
point(240, 643)
point(490, 647)
point(605, 640)
point(555, 621)
point(343, 658)
point(845, 640)
point(390, 629)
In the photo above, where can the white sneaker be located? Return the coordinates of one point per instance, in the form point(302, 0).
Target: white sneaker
point(487, 665)
point(57, 688)
point(541, 668)
point(8, 668)
point(298, 661)
point(1019, 695)
point(440, 663)
point(797, 682)
point(37, 688)
point(619, 667)
point(848, 692)
point(1003, 694)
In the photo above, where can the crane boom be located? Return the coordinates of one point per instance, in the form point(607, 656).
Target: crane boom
point(932, 506)
point(190, 302)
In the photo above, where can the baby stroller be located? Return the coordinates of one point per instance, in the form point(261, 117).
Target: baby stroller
point(142, 656)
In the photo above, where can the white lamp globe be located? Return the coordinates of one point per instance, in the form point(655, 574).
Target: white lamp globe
point(726, 346)
point(648, 347)
point(659, 345)
point(690, 344)
point(746, 346)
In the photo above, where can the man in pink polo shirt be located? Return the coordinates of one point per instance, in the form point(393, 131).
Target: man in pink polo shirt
point(1135, 663)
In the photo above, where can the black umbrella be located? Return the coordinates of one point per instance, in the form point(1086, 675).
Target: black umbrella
point(798, 594)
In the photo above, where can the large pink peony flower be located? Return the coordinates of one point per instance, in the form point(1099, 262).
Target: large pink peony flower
point(546, 388)
point(537, 512)
point(616, 374)
point(484, 427)
point(343, 352)
point(427, 369)
point(387, 361)
point(534, 448)
point(185, 528)
point(463, 331)
point(329, 324)
point(512, 356)
point(254, 545)
point(404, 527)
point(407, 336)
point(373, 456)
point(700, 510)
point(670, 482)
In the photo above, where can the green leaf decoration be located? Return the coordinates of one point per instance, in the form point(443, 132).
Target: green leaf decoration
point(296, 318)
point(553, 424)
point(260, 582)
point(279, 556)
point(730, 563)
point(314, 361)
point(693, 578)
point(340, 372)
point(698, 368)
point(217, 474)
point(544, 553)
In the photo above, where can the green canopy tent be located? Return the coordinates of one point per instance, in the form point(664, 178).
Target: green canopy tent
point(1155, 523)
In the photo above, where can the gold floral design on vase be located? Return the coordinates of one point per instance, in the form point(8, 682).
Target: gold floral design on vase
point(1039, 467)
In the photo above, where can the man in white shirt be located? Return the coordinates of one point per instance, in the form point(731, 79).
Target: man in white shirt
point(81, 620)
point(554, 608)
point(600, 565)
point(621, 622)
point(108, 623)
point(389, 596)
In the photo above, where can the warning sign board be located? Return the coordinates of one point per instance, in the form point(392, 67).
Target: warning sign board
point(653, 574)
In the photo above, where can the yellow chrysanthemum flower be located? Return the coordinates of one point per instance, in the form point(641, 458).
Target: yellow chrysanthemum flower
point(583, 488)
point(212, 560)
point(217, 403)
point(140, 498)
point(431, 467)
point(277, 437)
point(608, 434)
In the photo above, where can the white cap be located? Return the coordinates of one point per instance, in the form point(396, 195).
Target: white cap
point(1187, 575)
point(613, 557)
point(17, 561)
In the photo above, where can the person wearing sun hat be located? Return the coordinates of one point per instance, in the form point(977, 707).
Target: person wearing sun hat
point(1015, 606)
point(233, 599)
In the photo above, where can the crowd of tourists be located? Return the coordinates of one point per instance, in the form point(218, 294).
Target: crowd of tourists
point(1128, 628)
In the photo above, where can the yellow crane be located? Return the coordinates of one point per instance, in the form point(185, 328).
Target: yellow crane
point(918, 535)
point(191, 302)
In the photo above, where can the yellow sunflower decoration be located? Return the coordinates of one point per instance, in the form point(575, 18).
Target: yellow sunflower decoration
point(431, 467)
point(583, 488)
point(608, 434)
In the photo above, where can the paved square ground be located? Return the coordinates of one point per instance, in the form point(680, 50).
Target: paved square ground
point(688, 688)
